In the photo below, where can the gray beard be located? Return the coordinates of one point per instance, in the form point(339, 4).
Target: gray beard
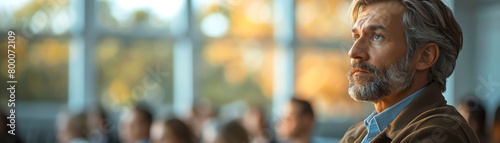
point(385, 81)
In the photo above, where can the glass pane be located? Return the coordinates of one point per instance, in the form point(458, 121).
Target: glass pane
point(237, 71)
point(237, 55)
point(323, 20)
point(321, 78)
point(131, 71)
point(145, 15)
point(235, 18)
point(41, 68)
point(32, 17)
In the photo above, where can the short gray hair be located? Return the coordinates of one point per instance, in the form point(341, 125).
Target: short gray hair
point(426, 21)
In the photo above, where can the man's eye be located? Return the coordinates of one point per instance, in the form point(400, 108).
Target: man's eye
point(355, 38)
point(377, 38)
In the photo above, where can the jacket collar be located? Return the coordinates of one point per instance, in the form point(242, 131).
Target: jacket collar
point(430, 98)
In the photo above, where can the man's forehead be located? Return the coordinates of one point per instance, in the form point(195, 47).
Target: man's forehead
point(380, 13)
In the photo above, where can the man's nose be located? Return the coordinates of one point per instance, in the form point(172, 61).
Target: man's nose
point(359, 50)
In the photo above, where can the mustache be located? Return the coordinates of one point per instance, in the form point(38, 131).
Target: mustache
point(363, 66)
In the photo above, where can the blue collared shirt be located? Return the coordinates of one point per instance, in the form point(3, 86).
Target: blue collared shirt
point(375, 123)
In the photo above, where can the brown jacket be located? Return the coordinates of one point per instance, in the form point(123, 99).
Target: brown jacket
point(426, 119)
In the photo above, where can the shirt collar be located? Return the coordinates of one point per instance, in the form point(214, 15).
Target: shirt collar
point(383, 119)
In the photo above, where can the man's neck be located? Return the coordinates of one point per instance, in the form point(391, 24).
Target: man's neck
point(394, 98)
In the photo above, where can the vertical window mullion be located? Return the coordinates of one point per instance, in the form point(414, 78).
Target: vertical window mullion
point(284, 37)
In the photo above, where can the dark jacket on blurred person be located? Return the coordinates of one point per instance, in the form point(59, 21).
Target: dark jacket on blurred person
point(474, 113)
point(8, 138)
point(425, 119)
point(232, 132)
point(5, 137)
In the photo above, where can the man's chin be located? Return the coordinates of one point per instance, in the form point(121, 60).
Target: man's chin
point(357, 85)
point(357, 95)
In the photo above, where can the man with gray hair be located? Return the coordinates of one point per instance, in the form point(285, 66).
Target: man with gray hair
point(403, 52)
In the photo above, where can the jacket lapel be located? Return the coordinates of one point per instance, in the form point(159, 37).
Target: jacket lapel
point(429, 99)
point(362, 136)
point(382, 137)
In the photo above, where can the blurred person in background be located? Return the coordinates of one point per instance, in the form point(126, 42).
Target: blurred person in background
point(201, 113)
point(495, 130)
point(135, 124)
point(254, 121)
point(100, 126)
point(297, 122)
point(231, 132)
point(171, 131)
point(402, 55)
point(475, 115)
point(5, 137)
point(71, 127)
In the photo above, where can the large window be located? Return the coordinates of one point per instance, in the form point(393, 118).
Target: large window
point(171, 54)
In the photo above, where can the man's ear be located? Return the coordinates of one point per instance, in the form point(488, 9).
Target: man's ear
point(427, 56)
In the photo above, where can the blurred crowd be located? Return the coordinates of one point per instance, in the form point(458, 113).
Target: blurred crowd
point(295, 124)
point(474, 112)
